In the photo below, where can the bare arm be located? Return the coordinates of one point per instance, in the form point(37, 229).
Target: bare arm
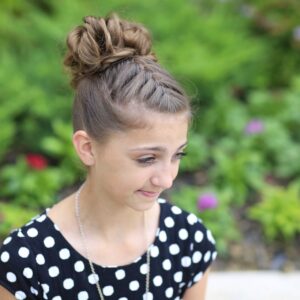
point(197, 291)
point(5, 294)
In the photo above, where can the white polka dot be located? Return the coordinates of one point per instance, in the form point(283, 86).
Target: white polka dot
point(64, 253)
point(5, 257)
point(207, 256)
point(34, 291)
point(108, 290)
point(192, 219)
point(169, 222)
point(20, 233)
point(178, 276)
point(40, 259)
point(28, 273)
point(11, 277)
point(53, 271)
point(7, 240)
point(157, 280)
point(154, 251)
point(167, 264)
point(148, 296)
point(123, 298)
point(196, 257)
point(134, 285)
point(161, 200)
point(83, 295)
point(183, 234)
point(79, 266)
point(176, 210)
point(174, 249)
point(192, 247)
point(32, 232)
point(41, 218)
point(49, 242)
point(144, 269)
point(93, 278)
point(24, 252)
point(169, 292)
point(162, 236)
point(198, 277)
point(46, 288)
point(214, 255)
point(210, 237)
point(120, 274)
point(198, 236)
point(20, 295)
point(68, 283)
point(57, 298)
point(186, 261)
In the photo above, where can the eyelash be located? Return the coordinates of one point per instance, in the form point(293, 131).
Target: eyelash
point(150, 160)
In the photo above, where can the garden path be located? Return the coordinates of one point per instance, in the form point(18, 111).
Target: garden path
point(252, 285)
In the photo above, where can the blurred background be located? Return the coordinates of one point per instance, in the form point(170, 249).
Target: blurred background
point(240, 63)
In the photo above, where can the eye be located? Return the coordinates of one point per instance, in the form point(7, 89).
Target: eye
point(180, 155)
point(146, 160)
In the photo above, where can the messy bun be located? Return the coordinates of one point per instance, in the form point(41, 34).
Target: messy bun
point(99, 42)
point(116, 77)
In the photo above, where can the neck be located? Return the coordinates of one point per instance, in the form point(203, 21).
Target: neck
point(108, 219)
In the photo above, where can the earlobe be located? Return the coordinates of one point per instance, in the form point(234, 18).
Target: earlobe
point(83, 146)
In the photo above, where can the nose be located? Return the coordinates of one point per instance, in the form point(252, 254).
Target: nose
point(164, 176)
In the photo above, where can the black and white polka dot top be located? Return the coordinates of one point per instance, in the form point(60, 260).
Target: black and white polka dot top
point(37, 262)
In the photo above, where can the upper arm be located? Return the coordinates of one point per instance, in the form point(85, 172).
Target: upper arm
point(18, 275)
point(197, 291)
point(5, 294)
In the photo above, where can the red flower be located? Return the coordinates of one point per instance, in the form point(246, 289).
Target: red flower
point(36, 161)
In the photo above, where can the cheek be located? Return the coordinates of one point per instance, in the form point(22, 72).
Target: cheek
point(127, 179)
point(175, 169)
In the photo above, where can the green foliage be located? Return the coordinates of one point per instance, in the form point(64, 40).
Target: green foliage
point(59, 146)
point(197, 153)
point(13, 216)
point(278, 212)
point(237, 173)
point(29, 187)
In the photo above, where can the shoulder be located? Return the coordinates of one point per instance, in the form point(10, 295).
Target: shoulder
point(20, 245)
point(19, 256)
point(174, 216)
point(195, 242)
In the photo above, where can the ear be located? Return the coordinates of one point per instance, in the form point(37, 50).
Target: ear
point(83, 146)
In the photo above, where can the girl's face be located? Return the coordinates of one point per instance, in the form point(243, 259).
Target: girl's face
point(135, 166)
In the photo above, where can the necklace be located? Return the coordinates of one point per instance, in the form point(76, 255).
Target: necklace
point(83, 240)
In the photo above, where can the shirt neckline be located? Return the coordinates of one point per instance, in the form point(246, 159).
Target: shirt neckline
point(84, 258)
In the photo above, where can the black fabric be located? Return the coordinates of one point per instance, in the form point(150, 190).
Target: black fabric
point(37, 262)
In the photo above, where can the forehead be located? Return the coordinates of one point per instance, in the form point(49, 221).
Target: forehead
point(165, 130)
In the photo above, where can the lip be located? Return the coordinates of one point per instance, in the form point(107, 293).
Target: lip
point(148, 194)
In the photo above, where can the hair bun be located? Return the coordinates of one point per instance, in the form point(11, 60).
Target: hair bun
point(99, 42)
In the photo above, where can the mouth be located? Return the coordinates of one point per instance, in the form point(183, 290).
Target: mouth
point(149, 194)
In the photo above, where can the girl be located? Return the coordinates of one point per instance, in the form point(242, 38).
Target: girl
point(115, 238)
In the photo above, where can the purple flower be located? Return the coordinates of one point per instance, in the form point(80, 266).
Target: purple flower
point(296, 33)
point(254, 126)
point(207, 201)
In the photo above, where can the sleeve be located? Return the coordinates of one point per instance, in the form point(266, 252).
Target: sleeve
point(202, 251)
point(17, 267)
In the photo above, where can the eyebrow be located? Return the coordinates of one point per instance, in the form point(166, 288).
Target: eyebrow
point(156, 148)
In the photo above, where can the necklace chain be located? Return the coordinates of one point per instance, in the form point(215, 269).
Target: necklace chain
point(83, 240)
